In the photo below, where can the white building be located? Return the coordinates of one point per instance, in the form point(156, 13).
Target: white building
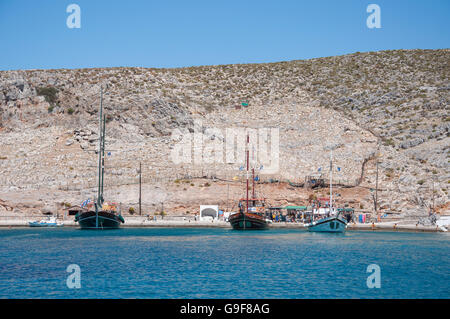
point(209, 212)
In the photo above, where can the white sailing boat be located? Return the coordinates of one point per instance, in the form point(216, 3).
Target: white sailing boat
point(332, 222)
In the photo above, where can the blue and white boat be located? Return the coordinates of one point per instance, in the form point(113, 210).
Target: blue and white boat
point(332, 222)
point(49, 222)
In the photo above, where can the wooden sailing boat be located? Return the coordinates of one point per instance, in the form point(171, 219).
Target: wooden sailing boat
point(101, 217)
point(251, 210)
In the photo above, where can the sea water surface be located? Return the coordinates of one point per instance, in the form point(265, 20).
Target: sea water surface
point(222, 263)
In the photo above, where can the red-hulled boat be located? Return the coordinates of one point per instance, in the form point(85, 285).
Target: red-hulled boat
point(253, 218)
point(251, 210)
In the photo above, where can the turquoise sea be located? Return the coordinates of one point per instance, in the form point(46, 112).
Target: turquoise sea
point(222, 263)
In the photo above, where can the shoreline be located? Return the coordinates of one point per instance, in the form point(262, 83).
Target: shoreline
point(145, 223)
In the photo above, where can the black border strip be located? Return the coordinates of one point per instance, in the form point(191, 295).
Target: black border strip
point(275, 308)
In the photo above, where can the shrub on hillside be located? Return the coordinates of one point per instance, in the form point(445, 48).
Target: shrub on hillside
point(49, 93)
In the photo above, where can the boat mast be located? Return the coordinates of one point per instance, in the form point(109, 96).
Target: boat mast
point(253, 175)
point(331, 181)
point(103, 157)
point(99, 203)
point(247, 169)
point(228, 194)
point(100, 133)
point(253, 185)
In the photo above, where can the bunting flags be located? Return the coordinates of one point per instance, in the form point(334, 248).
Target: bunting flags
point(87, 201)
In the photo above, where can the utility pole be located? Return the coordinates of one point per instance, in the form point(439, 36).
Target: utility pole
point(331, 180)
point(228, 192)
point(376, 192)
point(433, 194)
point(140, 189)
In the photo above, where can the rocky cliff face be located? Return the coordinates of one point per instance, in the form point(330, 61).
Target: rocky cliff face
point(390, 105)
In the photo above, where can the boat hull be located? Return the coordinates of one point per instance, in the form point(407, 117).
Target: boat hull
point(247, 221)
point(33, 224)
point(328, 225)
point(105, 220)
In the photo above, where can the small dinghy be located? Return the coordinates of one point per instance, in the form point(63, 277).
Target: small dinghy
point(49, 222)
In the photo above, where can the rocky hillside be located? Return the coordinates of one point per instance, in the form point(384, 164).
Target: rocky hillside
point(391, 105)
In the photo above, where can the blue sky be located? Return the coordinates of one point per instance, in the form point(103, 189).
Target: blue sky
point(171, 33)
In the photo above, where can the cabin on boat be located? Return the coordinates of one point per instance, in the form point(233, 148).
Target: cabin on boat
point(71, 211)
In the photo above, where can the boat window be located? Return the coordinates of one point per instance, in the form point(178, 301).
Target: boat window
point(332, 225)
